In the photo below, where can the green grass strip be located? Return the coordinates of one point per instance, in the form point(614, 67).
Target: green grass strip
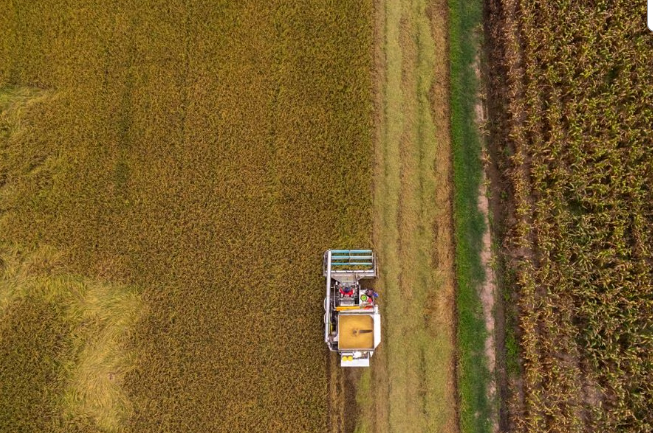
point(465, 20)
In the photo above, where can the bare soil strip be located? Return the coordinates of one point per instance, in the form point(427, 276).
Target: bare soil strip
point(488, 289)
point(411, 385)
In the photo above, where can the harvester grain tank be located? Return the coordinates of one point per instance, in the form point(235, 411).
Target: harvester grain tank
point(352, 322)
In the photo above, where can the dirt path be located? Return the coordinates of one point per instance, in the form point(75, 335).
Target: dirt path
point(411, 385)
point(488, 289)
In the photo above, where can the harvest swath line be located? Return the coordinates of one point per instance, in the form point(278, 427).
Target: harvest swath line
point(411, 386)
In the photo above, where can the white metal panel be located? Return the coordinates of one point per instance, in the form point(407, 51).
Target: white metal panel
point(377, 327)
point(356, 362)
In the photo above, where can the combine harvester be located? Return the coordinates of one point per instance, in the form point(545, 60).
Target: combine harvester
point(352, 323)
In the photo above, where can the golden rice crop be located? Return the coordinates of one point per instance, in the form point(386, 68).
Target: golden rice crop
point(33, 340)
point(206, 153)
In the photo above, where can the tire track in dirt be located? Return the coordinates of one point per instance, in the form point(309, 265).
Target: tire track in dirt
point(488, 289)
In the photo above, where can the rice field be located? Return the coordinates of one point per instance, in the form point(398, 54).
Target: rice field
point(183, 165)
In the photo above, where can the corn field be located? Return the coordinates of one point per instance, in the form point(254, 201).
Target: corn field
point(206, 153)
point(575, 86)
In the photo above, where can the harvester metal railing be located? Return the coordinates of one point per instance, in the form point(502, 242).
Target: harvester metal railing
point(327, 326)
point(360, 263)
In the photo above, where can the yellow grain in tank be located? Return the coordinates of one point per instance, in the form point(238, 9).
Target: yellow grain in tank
point(355, 331)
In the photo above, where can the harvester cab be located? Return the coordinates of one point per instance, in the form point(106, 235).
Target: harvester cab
point(352, 322)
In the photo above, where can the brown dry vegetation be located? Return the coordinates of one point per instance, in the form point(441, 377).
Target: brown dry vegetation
point(573, 89)
point(206, 153)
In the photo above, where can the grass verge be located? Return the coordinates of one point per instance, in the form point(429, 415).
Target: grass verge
point(465, 20)
point(410, 387)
